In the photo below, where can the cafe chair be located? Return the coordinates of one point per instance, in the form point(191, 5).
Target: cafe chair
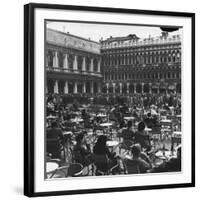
point(57, 174)
point(126, 145)
point(101, 165)
point(71, 170)
point(131, 166)
point(54, 148)
point(175, 141)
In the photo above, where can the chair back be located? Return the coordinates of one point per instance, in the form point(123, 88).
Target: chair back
point(132, 166)
point(75, 169)
point(101, 162)
point(54, 148)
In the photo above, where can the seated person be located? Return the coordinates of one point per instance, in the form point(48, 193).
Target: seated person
point(128, 134)
point(54, 132)
point(142, 138)
point(149, 121)
point(100, 148)
point(82, 151)
point(139, 162)
point(172, 165)
point(54, 140)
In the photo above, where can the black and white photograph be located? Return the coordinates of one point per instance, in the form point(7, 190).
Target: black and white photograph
point(109, 102)
point(112, 99)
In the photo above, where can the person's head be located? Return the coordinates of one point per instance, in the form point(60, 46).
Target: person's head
point(136, 150)
point(149, 115)
point(54, 124)
point(101, 141)
point(80, 138)
point(129, 124)
point(141, 126)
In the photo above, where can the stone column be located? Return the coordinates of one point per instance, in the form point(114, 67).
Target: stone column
point(55, 59)
point(75, 87)
point(135, 88)
point(158, 89)
point(175, 84)
point(75, 65)
point(99, 87)
point(113, 88)
point(150, 89)
point(66, 89)
point(91, 65)
point(65, 63)
point(107, 86)
point(142, 88)
point(84, 87)
point(120, 88)
point(127, 87)
point(56, 87)
point(83, 65)
point(92, 87)
point(99, 65)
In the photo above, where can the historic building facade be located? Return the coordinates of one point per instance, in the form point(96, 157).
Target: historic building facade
point(133, 65)
point(72, 64)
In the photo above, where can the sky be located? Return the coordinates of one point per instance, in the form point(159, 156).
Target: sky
point(97, 31)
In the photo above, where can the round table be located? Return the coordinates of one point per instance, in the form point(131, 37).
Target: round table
point(67, 133)
point(164, 155)
point(102, 115)
point(129, 118)
point(77, 120)
point(177, 134)
point(166, 121)
point(148, 129)
point(112, 143)
point(106, 124)
point(51, 117)
point(51, 166)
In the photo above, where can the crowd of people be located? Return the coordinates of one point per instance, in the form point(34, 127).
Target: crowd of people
point(80, 114)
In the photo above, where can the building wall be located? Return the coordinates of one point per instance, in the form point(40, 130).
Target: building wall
point(131, 65)
point(72, 64)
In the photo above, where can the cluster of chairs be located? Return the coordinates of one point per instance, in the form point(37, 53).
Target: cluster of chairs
point(70, 161)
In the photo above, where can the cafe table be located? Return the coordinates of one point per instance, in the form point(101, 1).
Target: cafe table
point(166, 121)
point(112, 144)
point(51, 167)
point(147, 129)
point(107, 124)
point(77, 120)
point(101, 115)
point(129, 118)
point(177, 134)
point(51, 117)
point(67, 133)
point(163, 154)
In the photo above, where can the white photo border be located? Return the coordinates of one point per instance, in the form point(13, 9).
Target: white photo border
point(42, 185)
